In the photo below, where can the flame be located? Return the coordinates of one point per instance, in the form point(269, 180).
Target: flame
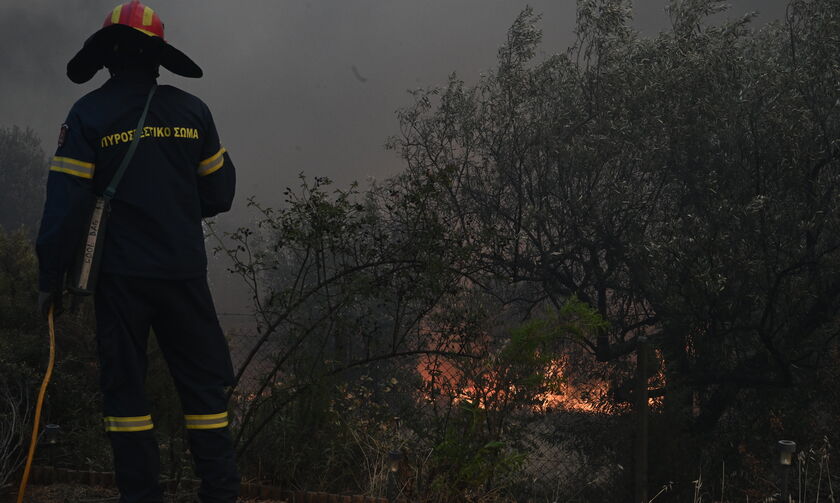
point(491, 388)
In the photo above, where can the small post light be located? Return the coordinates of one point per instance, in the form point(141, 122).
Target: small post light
point(787, 448)
point(52, 432)
point(394, 459)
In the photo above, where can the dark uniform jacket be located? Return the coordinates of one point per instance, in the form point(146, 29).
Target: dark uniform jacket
point(179, 174)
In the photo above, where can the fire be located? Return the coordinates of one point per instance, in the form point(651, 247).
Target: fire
point(494, 388)
point(568, 382)
point(584, 397)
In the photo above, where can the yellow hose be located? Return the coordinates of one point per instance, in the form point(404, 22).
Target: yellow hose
point(38, 406)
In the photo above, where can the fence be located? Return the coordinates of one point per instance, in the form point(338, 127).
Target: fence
point(422, 425)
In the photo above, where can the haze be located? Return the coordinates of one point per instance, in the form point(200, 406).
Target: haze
point(295, 86)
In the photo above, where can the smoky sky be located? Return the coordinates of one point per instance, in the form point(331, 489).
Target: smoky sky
point(294, 85)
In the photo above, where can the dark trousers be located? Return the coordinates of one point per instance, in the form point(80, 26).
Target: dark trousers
point(182, 316)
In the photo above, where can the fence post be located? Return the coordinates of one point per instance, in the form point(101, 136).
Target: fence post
point(640, 469)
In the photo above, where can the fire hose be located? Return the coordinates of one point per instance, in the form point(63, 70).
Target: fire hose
point(38, 406)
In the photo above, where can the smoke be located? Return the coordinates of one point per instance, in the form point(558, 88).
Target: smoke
point(294, 85)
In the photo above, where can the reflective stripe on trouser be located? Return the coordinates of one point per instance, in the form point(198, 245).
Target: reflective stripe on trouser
point(129, 424)
point(206, 421)
point(212, 448)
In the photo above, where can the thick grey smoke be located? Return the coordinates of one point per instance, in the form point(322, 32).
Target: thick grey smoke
point(295, 85)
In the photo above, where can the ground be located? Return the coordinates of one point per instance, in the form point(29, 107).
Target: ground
point(75, 493)
point(69, 493)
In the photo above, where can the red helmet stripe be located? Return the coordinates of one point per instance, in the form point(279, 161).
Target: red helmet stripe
point(135, 14)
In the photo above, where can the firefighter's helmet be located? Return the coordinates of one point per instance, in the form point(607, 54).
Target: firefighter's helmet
point(131, 23)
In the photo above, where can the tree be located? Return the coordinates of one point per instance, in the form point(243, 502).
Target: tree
point(680, 190)
point(24, 346)
point(23, 172)
point(683, 186)
point(18, 306)
point(340, 282)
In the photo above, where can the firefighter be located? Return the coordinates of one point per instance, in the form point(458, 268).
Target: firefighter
point(153, 271)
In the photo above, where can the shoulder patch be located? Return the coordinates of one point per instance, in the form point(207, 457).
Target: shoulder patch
point(62, 135)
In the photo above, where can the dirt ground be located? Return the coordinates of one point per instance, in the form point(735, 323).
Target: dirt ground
point(76, 493)
point(69, 493)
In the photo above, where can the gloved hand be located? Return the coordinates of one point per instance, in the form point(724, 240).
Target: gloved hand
point(47, 299)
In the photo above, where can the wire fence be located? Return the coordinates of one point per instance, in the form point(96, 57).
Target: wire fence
point(426, 427)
